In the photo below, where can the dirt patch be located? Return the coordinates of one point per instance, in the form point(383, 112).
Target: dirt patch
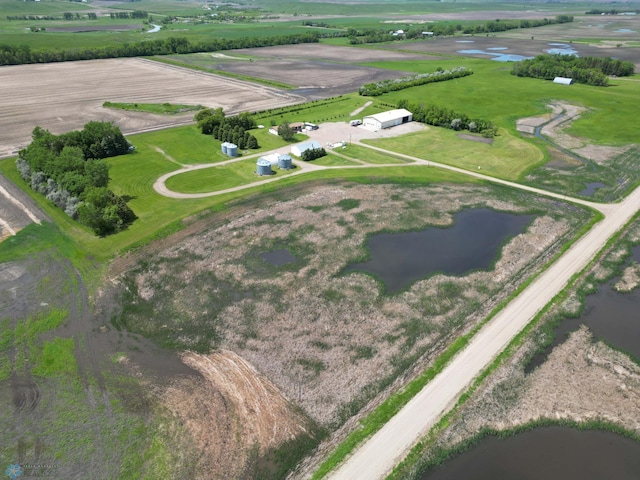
point(233, 414)
point(475, 138)
point(630, 279)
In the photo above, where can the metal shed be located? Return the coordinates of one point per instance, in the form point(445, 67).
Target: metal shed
point(563, 80)
point(387, 119)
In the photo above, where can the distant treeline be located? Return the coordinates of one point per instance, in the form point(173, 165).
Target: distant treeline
point(385, 86)
point(68, 169)
point(588, 70)
point(22, 54)
point(613, 11)
point(126, 15)
point(376, 35)
point(447, 118)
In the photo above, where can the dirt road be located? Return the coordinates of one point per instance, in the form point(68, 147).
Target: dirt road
point(388, 446)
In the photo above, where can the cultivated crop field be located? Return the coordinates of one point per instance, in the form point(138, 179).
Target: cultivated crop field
point(68, 95)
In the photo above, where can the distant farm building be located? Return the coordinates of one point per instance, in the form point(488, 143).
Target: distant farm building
point(387, 119)
point(563, 80)
point(297, 126)
point(301, 147)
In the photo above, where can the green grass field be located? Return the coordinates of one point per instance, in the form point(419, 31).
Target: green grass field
point(160, 108)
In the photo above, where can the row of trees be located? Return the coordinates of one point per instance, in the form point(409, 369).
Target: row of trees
point(313, 153)
point(70, 171)
point(126, 15)
point(23, 54)
point(588, 70)
point(228, 129)
point(378, 88)
point(612, 11)
point(447, 118)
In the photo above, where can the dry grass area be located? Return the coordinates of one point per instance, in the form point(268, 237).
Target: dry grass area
point(232, 413)
point(581, 380)
point(70, 94)
point(325, 339)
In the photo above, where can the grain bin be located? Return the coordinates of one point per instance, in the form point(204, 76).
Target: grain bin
point(232, 149)
point(224, 147)
point(263, 167)
point(284, 162)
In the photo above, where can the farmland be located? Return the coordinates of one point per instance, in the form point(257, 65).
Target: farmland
point(139, 354)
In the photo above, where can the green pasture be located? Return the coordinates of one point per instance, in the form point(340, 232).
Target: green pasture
point(371, 156)
point(333, 160)
point(507, 157)
point(159, 108)
point(494, 94)
point(231, 175)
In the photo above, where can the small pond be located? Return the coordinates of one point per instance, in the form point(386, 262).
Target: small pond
point(278, 257)
point(561, 49)
point(590, 188)
point(498, 57)
point(550, 453)
point(635, 253)
point(611, 316)
point(472, 243)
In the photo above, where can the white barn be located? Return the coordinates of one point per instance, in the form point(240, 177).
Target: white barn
point(387, 119)
point(301, 147)
point(563, 80)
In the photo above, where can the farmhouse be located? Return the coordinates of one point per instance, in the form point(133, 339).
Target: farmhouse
point(301, 147)
point(387, 119)
point(563, 80)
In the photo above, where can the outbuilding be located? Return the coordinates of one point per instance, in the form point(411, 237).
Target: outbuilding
point(387, 119)
point(563, 80)
point(299, 148)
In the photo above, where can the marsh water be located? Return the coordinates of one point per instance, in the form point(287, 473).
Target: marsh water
point(611, 316)
point(472, 243)
point(550, 453)
point(278, 257)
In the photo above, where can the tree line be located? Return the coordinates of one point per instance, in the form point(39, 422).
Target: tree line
point(587, 70)
point(447, 118)
point(228, 129)
point(612, 11)
point(69, 171)
point(378, 88)
point(23, 54)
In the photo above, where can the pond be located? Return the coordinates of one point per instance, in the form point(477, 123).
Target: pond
point(472, 243)
point(590, 188)
point(278, 257)
point(609, 315)
point(498, 57)
point(552, 453)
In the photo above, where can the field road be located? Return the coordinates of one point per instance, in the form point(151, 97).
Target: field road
point(376, 457)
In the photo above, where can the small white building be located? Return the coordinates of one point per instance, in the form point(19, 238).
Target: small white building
point(387, 119)
point(301, 147)
point(563, 80)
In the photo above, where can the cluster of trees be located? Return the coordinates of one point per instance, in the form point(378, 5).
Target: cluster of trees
point(313, 153)
point(70, 171)
point(447, 118)
point(378, 88)
point(501, 26)
point(31, 17)
point(23, 54)
point(613, 11)
point(228, 129)
point(286, 132)
point(126, 15)
point(589, 70)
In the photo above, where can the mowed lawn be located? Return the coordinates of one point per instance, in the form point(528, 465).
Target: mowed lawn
point(507, 157)
point(226, 176)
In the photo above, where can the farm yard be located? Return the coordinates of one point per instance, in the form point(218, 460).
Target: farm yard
point(234, 329)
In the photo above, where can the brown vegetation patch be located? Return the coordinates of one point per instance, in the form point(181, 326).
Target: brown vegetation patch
point(233, 414)
point(475, 138)
point(324, 338)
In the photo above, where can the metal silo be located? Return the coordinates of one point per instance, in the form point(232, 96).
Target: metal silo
point(224, 147)
point(232, 149)
point(284, 162)
point(263, 167)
